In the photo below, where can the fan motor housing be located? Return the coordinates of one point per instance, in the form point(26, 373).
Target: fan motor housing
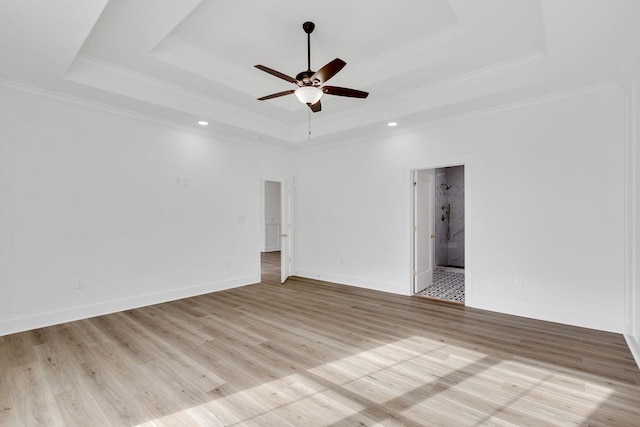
point(304, 77)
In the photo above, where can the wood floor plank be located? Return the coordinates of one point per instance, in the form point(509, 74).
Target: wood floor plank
point(309, 352)
point(32, 402)
point(19, 349)
point(113, 397)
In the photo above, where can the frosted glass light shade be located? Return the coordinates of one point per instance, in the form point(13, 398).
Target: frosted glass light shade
point(308, 95)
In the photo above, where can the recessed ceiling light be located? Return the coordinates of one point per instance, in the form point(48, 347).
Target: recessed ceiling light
point(203, 123)
point(392, 124)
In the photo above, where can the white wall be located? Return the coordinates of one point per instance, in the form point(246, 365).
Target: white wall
point(545, 196)
point(90, 195)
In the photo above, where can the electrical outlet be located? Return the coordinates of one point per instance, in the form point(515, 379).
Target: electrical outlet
point(518, 281)
point(79, 284)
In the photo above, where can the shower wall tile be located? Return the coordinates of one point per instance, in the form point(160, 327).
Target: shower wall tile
point(441, 249)
point(449, 249)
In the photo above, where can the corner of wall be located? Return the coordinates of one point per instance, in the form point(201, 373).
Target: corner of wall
point(632, 214)
point(634, 345)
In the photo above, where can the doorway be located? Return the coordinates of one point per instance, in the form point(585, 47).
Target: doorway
point(272, 216)
point(439, 233)
point(270, 254)
point(276, 201)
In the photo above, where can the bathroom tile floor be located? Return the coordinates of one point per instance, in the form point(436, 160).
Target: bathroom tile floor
point(448, 284)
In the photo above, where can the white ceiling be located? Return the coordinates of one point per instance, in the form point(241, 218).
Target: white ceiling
point(421, 60)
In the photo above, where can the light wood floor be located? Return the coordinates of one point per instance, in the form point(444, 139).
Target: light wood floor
point(310, 353)
point(271, 267)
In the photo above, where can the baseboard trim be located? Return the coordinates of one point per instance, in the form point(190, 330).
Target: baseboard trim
point(551, 314)
point(634, 346)
point(352, 281)
point(77, 313)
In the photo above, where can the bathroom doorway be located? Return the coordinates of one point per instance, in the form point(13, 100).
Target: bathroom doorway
point(446, 234)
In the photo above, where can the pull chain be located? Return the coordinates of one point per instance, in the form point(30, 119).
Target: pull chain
point(309, 125)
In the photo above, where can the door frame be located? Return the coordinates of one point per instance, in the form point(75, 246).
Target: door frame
point(462, 159)
point(286, 212)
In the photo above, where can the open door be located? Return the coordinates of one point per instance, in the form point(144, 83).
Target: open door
point(286, 200)
point(423, 228)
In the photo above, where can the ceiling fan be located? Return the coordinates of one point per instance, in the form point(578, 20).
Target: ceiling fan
point(311, 84)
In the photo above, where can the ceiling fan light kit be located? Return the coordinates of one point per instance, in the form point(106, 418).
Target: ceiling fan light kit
point(311, 83)
point(308, 95)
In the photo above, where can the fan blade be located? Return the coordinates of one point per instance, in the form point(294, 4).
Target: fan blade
point(276, 95)
point(329, 70)
point(316, 107)
point(276, 73)
point(344, 91)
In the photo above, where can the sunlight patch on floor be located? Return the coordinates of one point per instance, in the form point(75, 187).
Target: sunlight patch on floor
point(295, 398)
point(409, 377)
point(513, 390)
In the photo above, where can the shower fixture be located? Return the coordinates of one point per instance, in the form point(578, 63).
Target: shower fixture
point(446, 187)
point(446, 215)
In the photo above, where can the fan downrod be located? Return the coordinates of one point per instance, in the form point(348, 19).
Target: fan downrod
point(305, 76)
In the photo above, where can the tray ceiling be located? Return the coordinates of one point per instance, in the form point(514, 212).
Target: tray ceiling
point(187, 60)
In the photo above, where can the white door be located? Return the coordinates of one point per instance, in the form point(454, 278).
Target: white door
point(286, 237)
point(423, 228)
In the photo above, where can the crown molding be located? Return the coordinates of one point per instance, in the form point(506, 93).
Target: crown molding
point(523, 103)
point(135, 115)
point(352, 115)
point(515, 105)
point(504, 75)
point(224, 137)
point(417, 54)
point(196, 60)
point(112, 78)
point(106, 76)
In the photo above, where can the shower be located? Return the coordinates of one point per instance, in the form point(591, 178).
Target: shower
point(449, 211)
